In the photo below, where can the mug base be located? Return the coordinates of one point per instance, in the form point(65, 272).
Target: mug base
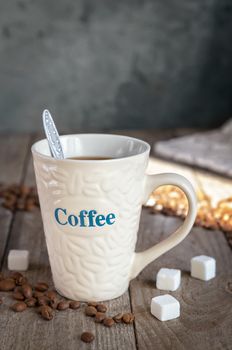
point(118, 295)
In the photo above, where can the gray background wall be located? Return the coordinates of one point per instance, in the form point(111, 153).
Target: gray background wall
point(115, 63)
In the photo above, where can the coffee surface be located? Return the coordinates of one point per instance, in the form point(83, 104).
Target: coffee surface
point(89, 158)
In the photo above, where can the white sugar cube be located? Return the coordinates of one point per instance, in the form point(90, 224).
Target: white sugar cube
point(18, 260)
point(165, 307)
point(203, 267)
point(168, 279)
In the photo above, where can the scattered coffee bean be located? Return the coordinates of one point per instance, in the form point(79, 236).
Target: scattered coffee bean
point(74, 304)
point(27, 291)
point(99, 317)
point(43, 300)
point(21, 280)
point(41, 287)
point(108, 322)
point(128, 318)
point(18, 296)
point(87, 337)
point(52, 295)
point(101, 308)
point(7, 285)
point(90, 311)
point(92, 303)
point(63, 305)
point(38, 294)
point(54, 304)
point(19, 306)
point(118, 318)
point(16, 275)
point(46, 312)
point(31, 302)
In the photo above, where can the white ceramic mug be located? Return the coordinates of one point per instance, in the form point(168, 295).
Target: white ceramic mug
point(91, 211)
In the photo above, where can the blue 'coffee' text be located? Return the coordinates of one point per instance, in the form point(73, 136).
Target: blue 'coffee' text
point(84, 219)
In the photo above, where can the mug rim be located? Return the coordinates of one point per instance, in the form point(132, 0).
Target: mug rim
point(85, 161)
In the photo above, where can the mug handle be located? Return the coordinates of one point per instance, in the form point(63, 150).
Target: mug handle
point(142, 259)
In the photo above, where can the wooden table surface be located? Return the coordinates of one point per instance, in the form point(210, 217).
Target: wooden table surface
point(206, 307)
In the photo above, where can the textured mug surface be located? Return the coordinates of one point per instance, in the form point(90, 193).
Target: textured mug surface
point(91, 211)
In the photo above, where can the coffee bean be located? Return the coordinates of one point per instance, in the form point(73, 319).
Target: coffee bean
point(74, 304)
point(16, 275)
point(92, 303)
point(87, 337)
point(63, 305)
point(38, 294)
point(43, 300)
point(52, 295)
point(21, 280)
point(46, 312)
point(18, 296)
point(54, 304)
point(108, 322)
point(27, 291)
point(7, 285)
point(101, 308)
point(41, 287)
point(19, 306)
point(118, 318)
point(90, 311)
point(128, 318)
point(99, 317)
point(31, 302)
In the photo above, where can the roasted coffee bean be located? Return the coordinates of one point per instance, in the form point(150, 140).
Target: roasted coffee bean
point(118, 318)
point(63, 305)
point(21, 280)
point(128, 318)
point(18, 296)
point(99, 317)
point(27, 291)
point(108, 322)
point(7, 285)
point(92, 303)
point(31, 302)
point(74, 304)
point(19, 306)
point(43, 300)
point(51, 294)
point(29, 205)
point(54, 304)
point(46, 312)
point(37, 294)
point(90, 311)
point(41, 286)
point(87, 337)
point(24, 190)
point(101, 308)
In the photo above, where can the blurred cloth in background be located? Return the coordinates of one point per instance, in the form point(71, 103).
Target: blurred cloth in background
point(109, 64)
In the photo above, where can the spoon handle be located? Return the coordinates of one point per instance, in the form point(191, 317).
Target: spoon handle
point(52, 135)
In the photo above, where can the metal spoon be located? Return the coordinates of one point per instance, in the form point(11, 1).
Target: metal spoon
point(52, 135)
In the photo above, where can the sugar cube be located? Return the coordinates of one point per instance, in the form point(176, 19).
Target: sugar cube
point(168, 279)
point(203, 267)
point(18, 260)
point(165, 307)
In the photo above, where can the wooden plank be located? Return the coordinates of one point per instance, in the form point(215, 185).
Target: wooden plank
point(206, 316)
point(12, 159)
point(28, 330)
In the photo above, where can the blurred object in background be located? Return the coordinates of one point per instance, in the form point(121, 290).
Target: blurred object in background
point(210, 150)
point(108, 64)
